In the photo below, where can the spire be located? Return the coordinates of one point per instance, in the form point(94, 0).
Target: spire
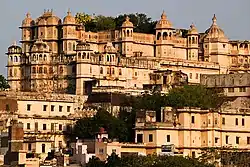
point(163, 15)
point(214, 20)
point(14, 43)
point(127, 18)
point(69, 12)
point(192, 26)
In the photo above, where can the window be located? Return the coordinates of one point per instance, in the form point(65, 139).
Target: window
point(227, 137)
point(7, 107)
point(150, 138)
point(190, 75)
point(29, 147)
point(224, 45)
point(60, 126)
point(60, 108)
point(168, 138)
point(52, 108)
point(192, 120)
point(230, 90)
point(44, 107)
point(236, 121)
point(44, 127)
point(242, 89)
point(197, 76)
point(40, 70)
point(28, 125)
point(248, 140)
point(28, 107)
point(120, 71)
point(68, 108)
point(139, 138)
point(216, 139)
point(223, 120)
point(101, 151)
point(215, 121)
point(237, 140)
point(243, 122)
point(193, 154)
point(43, 148)
point(101, 70)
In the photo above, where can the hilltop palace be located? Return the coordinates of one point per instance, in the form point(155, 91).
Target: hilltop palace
point(59, 54)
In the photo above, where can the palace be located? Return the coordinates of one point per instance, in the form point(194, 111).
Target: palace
point(60, 56)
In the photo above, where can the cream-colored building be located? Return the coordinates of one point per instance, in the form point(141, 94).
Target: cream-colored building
point(59, 54)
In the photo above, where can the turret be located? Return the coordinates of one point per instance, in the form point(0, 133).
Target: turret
point(192, 43)
point(127, 37)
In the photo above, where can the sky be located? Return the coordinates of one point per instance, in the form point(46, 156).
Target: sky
point(233, 16)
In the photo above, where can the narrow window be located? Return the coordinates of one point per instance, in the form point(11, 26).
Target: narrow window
point(29, 147)
point(215, 121)
point(197, 76)
point(227, 137)
point(139, 138)
point(248, 140)
point(216, 139)
point(60, 126)
point(243, 122)
point(44, 126)
point(52, 108)
point(223, 120)
point(236, 121)
point(28, 107)
point(192, 119)
point(7, 107)
point(44, 107)
point(101, 70)
point(28, 125)
point(190, 75)
point(150, 138)
point(43, 148)
point(68, 108)
point(237, 140)
point(193, 154)
point(60, 108)
point(168, 138)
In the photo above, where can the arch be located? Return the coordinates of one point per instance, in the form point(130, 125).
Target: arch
point(101, 70)
point(33, 70)
point(165, 34)
point(61, 69)
point(120, 71)
point(189, 40)
point(10, 73)
point(34, 57)
point(15, 72)
point(113, 71)
point(50, 70)
point(84, 55)
point(158, 36)
point(113, 58)
point(127, 33)
point(45, 58)
point(15, 59)
point(40, 57)
point(193, 40)
point(40, 70)
point(124, 33)
point(79, 55)
point(45, 70)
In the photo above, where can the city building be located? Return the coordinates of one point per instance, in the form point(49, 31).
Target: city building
point(60, 54)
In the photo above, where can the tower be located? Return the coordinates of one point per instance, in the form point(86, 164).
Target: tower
point(192, 43)
point(69, 34)
point(127, 37)
point(14, 67)
point(216, 45)
point(27, 32)
point(164, 35)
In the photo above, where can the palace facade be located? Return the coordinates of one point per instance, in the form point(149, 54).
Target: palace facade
point(60, 56)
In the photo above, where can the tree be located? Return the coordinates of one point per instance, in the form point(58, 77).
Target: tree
point(83, 18)
point(95, 162)
point(104, 23)
point(3, 83)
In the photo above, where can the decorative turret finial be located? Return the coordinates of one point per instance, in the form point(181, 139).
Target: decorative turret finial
point(28, 15)
point(163, 15)
point(14, 43)
point(127, 18)
point(214, 20)
point(192, 26)
point(69, 12)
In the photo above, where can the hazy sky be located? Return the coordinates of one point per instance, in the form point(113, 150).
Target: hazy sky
point(233, 16)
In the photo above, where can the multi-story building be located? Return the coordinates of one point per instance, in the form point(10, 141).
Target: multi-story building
point(63, 56)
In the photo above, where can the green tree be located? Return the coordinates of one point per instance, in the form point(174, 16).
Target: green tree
point(104, 23)
point(95, 162)
point(83, 18)
point(3, 83)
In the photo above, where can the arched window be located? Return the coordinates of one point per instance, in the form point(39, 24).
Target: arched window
point(11, 58)
point(88, 56)
point(165, 34)
point(113, 58)
point(79, 55)
point(61, 70)
point(84, 55)
point(107, 57)
point(90, 69)
point(158, 36)
point(101, 70)
point(45, 58)
point(108, 70)
point(127, 33)
point(113, 71)
point(10, 73)
point(40, 70)
point(43, 148)
point(50, 70)
point(40, 57)
point(120, 71)
point(15, 59)
point(131, 33)
point(33, 70)
point(189, 40)
point(15, 72)
point(193, 41)
point(34, 57)
point(45, 70)
point(124, 33)
point(100, 58)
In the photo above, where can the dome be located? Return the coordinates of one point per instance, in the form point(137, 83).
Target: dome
point(127, 23)
point(164, 22)
point(193, 30)
point(53, 20)
point(28, 20)
point(215, 31)
point(14, 49)
point(69, 19)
